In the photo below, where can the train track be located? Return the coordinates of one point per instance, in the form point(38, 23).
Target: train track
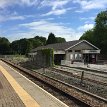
point(86, 69)
point(77, 76)
point(77, 95)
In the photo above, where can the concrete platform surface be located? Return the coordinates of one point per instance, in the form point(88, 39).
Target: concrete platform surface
point(8, 97)
point(43, 98)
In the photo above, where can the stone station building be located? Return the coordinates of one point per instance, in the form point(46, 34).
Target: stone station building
point(78, 50)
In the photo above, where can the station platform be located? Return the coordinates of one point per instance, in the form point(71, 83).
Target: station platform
point(18, 91)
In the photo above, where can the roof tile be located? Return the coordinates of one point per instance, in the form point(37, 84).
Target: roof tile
point(58, 46)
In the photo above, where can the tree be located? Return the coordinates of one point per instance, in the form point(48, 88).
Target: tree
point(100, 31)
point(22, 46)
point(4, 46)
point(25, 46)
point(15, 47)
point(98, 35)
point(41, 39)
point(88, 35)
point(35, 42)
point(51, 39)
point(60, 39)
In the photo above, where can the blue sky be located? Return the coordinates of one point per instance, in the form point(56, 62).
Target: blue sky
point(65, 18)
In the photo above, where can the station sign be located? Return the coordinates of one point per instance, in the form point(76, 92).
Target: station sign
point(91, 51)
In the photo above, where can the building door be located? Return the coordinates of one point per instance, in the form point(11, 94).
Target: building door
point(58, 58)
point(92, 58)
point(85, 58)
point(89, 58)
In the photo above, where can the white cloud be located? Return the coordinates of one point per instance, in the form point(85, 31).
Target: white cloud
point(55, 4)
point(44, 27)
point(6, 3)
point(85, 27)
point(91, 4)
point(29, 2)
point(16, 18)
point(13, 16)
point(19, 35)
point(56, 12)
point(87, 18)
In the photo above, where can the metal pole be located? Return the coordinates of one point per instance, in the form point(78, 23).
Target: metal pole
point(82, 76)
point(44, 69)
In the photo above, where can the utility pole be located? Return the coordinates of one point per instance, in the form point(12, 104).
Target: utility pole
point(82, 77)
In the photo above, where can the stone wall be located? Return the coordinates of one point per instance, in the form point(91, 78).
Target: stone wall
point(40, 60)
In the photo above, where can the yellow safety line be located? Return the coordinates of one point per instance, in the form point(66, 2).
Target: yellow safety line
point(24, 96)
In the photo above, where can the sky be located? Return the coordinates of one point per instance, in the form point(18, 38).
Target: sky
point(65, 18)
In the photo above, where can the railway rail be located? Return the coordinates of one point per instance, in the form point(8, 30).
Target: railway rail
point(86, 69)
point(92, 87)
point(84, 98)
point(79, 76)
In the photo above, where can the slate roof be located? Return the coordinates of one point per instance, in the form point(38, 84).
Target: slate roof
point(58, 46)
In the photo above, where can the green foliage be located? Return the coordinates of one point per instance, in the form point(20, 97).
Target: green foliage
point(101, 20)
point(49, 54)
point(88, 35)
point(24, 46)
point(51, 39)
point(100, 31)
point(35, 42)
point(60, 39)
point(98, 35)
point(15, 47)
point(4, 46)
point(41, 39)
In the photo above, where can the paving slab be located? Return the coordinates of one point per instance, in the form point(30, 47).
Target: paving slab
point(43, 98)
point(8, 97)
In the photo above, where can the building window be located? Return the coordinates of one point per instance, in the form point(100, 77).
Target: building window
point(71, 56)
point(75, 56)
point(69, 50)
point(78, 56)
point(77, 50)
point(93, 56)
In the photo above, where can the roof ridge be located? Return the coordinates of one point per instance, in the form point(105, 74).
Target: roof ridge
point(58, 46)
point(63, 42)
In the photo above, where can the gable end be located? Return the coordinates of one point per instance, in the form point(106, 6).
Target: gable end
point(82, 42)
